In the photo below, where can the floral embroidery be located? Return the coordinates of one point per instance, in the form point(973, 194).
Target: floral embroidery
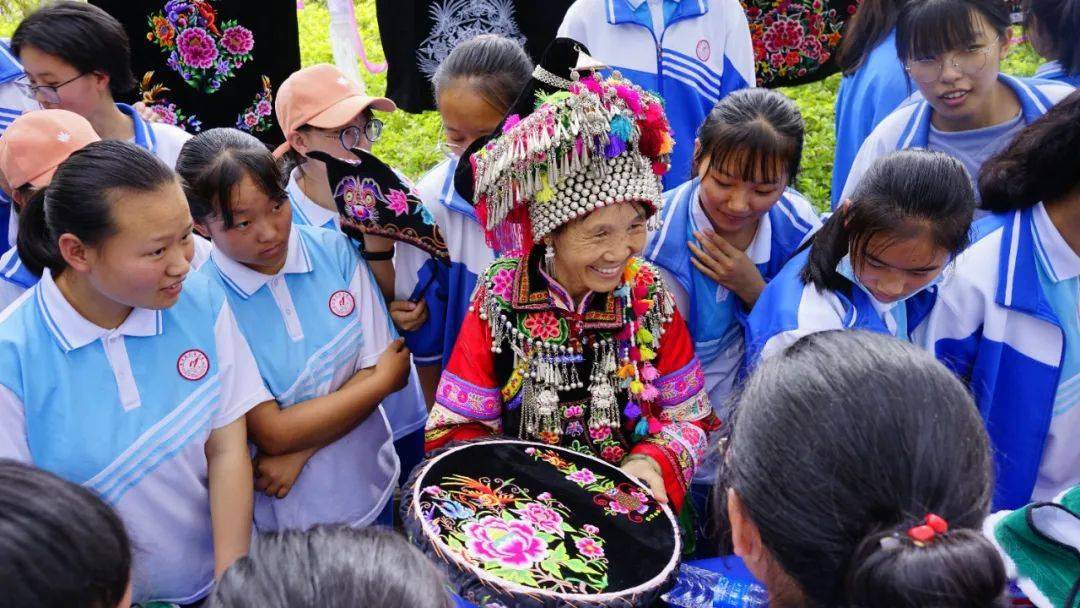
point(625, 499)
point(543, 517)
point(543, 326)
point(467, 399)
point(678, 386)
point(612, 453)
point(397, 201)
point(792, 38)
point(168, 112)
point(512, 544)
point(599, 434)
point(582, 477)
point(202, 52)
point(617, 499)
point(589, 547)
point(574, 411)
point(575, 428)
point(502, 283)
point(257, 117)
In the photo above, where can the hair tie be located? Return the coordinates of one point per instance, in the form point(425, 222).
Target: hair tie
point(921, 534)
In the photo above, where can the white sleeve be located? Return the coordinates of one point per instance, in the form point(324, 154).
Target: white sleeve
point(242, 386)
point(372, 314)
point(874, 147)
point(776, 344)
point(9, 292)
point(407, 263)
point(12, 427)
point(573, 26)
point(739, 47)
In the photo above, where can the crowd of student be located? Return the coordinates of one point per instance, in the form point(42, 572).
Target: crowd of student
point(174, 304)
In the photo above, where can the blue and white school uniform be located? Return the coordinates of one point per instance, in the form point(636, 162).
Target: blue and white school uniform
point(126, 413)
point(448, 297)
point(311, 326)
point(866, 97)
point(789, 309)
point(715, 316)
point(405, 409)
point(909, 127)
point(1053, 70)
point(13, 103)
point(691, 52)
point(1007, 322)
point(15, 278)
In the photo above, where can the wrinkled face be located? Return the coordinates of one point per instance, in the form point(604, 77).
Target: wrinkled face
point(82, 94)
point(894, 269)
point(590, 253)
point(144, 263)
point(259, 236)
point(733, 203)
point(964, 93)
point(466, 115)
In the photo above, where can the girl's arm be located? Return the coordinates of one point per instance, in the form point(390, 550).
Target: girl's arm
point(231, 500)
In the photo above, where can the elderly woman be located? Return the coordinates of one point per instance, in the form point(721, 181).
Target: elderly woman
point(576, 342)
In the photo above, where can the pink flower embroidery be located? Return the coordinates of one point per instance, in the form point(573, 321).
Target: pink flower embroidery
point(197, 48)
point(574, 411)
point(600, 434)
point(250, 119)
point(625, 502)
point(542, 517)
point(512, 544)
point(543, 495)
point(264, 108)
point(784, 34)
point(590, 529)
point(588, 547)
point(502, 283)
point(583, 477)
point(166, 115)
point(238, 40)
point(612, 453)
point(542, 325)
point(397, 202)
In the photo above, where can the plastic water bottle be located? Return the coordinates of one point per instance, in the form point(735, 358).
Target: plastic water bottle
point(700, 588)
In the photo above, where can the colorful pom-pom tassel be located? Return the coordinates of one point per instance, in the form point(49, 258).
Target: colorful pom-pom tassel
point(635, 353)
point(621, 127)
point(650, 393)
point(641, 307)
point(632, 410)
point(649, 373)
point(636, 387)
point(644, 336)
point(655, 426)
point(641, 428)
point(626, 371)
point(647, 354)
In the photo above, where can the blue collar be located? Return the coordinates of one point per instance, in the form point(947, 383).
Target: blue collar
point(14, 271)
point(1018, 277)
point(622, 11)
point(1033, 104)
point(144, 135)
point(10, 68)
point(449, 196)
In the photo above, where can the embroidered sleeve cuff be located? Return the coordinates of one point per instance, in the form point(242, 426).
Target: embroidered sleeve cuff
point(682, 386)
point(674, 481)
point(468, 400)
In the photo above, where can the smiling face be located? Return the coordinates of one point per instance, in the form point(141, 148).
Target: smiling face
point(893, 268)
point(259, 236)
point(466, 115)
point(82, 94)
point(735, 204)
point(144, 262)
point(590, 253)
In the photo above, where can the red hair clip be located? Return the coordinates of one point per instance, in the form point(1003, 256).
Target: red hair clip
point(932, 526)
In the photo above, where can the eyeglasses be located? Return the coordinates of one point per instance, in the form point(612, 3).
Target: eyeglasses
point(969, 62)
point(41, 92)
point(351, 136)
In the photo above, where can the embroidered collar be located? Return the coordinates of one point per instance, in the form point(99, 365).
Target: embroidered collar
point(535, 291)
point(246, 281)
point(310, 212)
point(1056, 256)
point(72, 330)
point(760, 249)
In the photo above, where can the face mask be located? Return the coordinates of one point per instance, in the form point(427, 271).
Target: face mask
point(845, 270)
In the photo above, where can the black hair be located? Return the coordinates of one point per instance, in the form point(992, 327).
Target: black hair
point(497, 68)
point(1041, 163)
point(212, 163)
point(848, 438)
point(60, 545)
point(927, 28)
point(757, 131)
point(79, 199)
point(82, 35)
point(332, 567)
point(1057, 23)
point(866, 29)
point(901, 195)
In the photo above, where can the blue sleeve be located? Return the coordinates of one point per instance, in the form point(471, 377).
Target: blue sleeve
point(426, 343)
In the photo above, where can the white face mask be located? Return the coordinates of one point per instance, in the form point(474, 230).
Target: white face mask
point(845, 269)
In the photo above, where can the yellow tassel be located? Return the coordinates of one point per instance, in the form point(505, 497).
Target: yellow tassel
point(636, 387)
point(647, 354)
point(644, 336)
point(546, 194)
point(668, 145)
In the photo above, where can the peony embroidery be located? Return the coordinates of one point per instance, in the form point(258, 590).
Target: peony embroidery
point(502, 283)
point(197, 48)
point(398, 202)
point(582, 477)
point(544, 518)
point(542, 325)
point(589, 547)
point(238, 40)
point(512, 544)
point(205, 54)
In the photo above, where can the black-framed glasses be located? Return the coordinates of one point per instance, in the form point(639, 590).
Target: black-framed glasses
point(46, 93)
point(351, 136)
point(969, 62)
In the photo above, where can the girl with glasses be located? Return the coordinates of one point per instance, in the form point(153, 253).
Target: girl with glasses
point(952, 52)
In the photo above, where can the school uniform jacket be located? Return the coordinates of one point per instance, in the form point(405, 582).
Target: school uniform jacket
point(1053, 70)
point(702, 53)
point(13, 102)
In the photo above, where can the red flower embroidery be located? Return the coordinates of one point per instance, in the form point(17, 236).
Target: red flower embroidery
point(542, 326)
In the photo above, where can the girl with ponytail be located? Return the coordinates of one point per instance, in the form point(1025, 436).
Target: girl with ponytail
point(877, 496)
point(121, 373)
point(875, 261)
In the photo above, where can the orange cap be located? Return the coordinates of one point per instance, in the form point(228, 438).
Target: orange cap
point(35, 144)
point(321, 96)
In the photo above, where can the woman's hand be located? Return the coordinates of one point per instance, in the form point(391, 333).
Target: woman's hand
point(408, 316)
point(727, 265)
point(275, 475)
point(647, 471)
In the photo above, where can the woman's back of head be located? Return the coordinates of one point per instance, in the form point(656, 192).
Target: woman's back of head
point(839, 447)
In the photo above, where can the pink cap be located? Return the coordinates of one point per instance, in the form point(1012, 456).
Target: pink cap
point(321, 96)
point(37, 142)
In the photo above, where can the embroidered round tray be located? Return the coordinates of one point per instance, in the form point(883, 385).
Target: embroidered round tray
point(515, 523)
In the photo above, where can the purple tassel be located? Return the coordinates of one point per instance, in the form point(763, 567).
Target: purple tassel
point(615, 147)
point(632, 410)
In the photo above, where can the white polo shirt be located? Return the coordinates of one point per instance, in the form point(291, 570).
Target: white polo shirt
point(127, 412)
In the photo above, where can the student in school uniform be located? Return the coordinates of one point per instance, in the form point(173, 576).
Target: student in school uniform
point(692, 53)
point(320, 109)
point(875, 262)
point(13, 103)
point(728, 231)
point(1007, 320)
point(952, 50)
point(318, 328)
point(874, 82)
point(30, 151)
point(1053, 26)
point(121, 373)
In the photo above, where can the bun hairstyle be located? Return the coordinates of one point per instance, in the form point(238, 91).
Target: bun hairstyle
point(901, 195)
point(212, 163)
point(1041, 163)
point(849, 438)
point(79, 199)
point(60, 545)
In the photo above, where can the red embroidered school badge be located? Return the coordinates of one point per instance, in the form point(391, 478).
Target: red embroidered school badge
point(704, 51)
point(342, 303)
point(193, 364)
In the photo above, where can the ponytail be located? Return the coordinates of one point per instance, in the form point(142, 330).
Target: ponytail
point(37, 249)
point(902, 194)
point(870, 25)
